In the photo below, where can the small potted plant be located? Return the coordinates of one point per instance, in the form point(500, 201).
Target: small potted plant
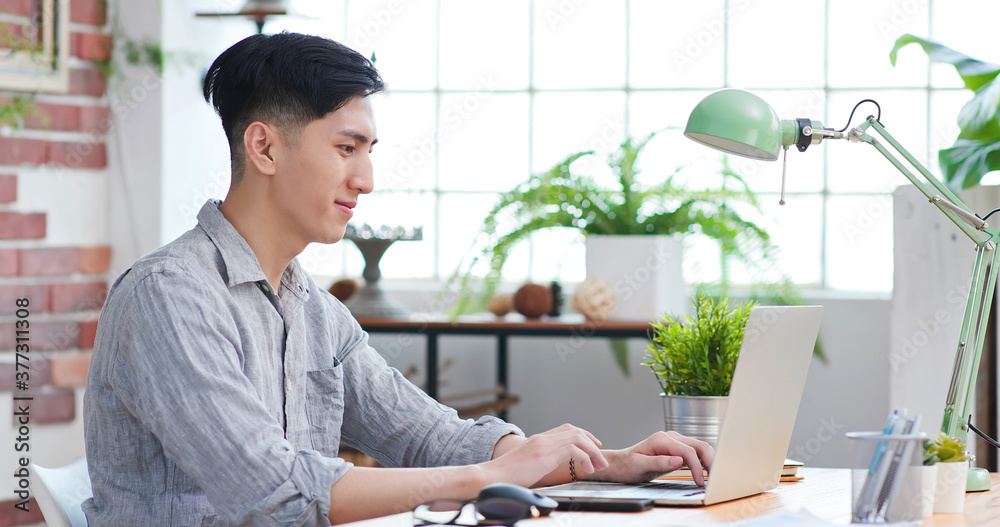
point(947, 453)
point(693, 359)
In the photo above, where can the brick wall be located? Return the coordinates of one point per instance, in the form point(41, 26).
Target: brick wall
point(61, 145)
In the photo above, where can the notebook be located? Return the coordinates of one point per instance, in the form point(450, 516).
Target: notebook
point(760, 414)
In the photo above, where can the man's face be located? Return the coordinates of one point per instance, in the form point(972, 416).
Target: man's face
point(325, 170)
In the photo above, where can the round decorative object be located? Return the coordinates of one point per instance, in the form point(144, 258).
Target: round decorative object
point(500, 305)
point(343, 289)
point(595, 299)
point(533, 300)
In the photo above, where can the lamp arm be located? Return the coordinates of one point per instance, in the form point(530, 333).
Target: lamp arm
point(962, 388)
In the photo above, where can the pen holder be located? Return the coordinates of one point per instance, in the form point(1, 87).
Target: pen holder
point(885, 478)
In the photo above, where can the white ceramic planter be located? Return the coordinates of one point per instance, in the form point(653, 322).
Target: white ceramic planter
point(928, 484)
point(950, 493)
point(645, 272)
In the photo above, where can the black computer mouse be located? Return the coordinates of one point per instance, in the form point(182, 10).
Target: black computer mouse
point(515, 493)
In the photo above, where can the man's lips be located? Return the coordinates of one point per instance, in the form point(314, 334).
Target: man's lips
point(347, 207)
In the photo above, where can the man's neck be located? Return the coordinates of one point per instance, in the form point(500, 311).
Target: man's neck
point(259, 226)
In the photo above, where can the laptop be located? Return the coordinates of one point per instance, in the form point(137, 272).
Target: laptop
point(753, 440)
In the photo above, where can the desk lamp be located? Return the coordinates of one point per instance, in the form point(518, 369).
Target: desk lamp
point(741, 123)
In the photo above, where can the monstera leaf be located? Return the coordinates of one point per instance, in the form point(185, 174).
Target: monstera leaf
point(975, 151)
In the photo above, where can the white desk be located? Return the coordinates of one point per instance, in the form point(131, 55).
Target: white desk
point(824, 492)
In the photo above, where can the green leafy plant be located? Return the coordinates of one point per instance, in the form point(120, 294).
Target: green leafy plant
point(15, 110)
point(977, 149)
point(563, 197)
point(944, 449)
point(697, 355)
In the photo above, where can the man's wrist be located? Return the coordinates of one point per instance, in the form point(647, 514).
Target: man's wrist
point(506, 444)
point(606, 474)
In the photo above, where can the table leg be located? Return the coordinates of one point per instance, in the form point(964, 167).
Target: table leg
point(432, 364)
point(502, 371)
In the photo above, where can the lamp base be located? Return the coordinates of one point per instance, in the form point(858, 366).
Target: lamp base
point(978, 480)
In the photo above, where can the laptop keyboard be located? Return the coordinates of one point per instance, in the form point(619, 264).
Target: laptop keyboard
point(671, 485)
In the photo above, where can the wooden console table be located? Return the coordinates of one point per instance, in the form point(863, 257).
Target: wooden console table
point(502, 328)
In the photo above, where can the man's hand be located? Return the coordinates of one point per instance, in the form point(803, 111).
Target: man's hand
point(527, 461)
point(658, 454)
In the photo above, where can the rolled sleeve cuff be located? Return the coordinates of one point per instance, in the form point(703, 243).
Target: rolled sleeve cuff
point(304, 498)
point(478, 444)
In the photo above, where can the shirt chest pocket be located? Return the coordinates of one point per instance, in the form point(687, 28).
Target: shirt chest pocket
point(325, 408)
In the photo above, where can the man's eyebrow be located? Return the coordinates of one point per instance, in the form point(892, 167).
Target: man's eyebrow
point(358, 136)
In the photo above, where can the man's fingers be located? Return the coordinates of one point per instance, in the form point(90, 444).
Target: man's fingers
point(704, 450)
point(589, 456)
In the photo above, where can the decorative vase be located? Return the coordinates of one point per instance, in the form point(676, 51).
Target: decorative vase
point(928, 484)
point(699, 416)
point(949, 496)
point(644, 271)
point(371, 300)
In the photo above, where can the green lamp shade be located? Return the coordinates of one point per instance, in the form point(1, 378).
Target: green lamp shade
point(737, 122)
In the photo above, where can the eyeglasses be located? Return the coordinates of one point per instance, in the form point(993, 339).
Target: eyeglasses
point(488, 511)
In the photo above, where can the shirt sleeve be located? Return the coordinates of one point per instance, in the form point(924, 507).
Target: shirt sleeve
point(178, 369)
point(392, 420)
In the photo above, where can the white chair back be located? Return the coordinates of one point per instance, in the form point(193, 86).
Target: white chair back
point(61, 491)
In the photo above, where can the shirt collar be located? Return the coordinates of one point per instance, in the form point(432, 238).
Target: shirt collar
point(241, 263)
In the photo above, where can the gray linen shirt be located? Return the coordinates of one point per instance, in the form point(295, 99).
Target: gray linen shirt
point(213, 401)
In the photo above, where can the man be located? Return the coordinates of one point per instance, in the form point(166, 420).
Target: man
point(223, 379)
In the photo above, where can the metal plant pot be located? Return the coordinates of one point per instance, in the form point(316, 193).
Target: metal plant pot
point(699, 417)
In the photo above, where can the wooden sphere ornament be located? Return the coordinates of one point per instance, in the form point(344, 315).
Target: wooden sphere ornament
point(500, 305)
point(343, 289)
point(533, 300)
point(595, 299)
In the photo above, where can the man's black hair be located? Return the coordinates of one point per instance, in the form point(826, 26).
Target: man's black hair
point(287, 80)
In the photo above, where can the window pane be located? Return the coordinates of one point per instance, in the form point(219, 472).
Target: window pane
point(325, 262)
point(796, 228)
point(462, 216)
point(671, 47)
point(965, 26)
point(403, 37)
point(859, 45)
point(483, 141)
point(579, 44)
point(857, 167)
point(484, 42)
point(404, 157)
point(859, 237)
point(565, 123)
point(767, 48)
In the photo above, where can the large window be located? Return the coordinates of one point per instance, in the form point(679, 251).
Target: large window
point(483, 93)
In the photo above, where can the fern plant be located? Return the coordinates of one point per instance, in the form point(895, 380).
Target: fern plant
point(697, 355)
point(561, 197)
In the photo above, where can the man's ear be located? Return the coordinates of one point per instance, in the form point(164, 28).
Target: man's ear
point(258, 141)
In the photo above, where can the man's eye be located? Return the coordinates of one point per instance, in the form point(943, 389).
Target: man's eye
point(347, 148)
